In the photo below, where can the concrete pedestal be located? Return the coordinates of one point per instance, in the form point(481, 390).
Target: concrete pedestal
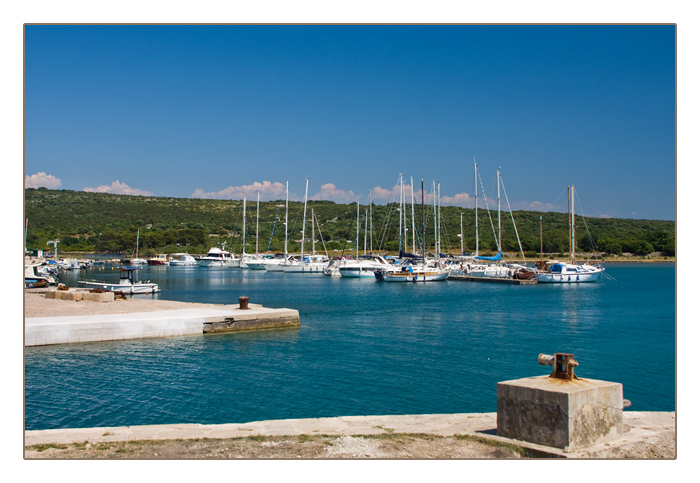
point(559, 413)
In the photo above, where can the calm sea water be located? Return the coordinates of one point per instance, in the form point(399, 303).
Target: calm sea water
point(364, 348)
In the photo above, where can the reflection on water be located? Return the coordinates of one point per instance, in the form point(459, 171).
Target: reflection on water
point(365, 347)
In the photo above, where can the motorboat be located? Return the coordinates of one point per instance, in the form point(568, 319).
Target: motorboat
point(217, 257)
point(364, 267)
point(182, 260)
point(127, 283)
point(159, 259)
point(37, 275)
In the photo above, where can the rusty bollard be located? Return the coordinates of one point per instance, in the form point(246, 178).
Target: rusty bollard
point(243, 303)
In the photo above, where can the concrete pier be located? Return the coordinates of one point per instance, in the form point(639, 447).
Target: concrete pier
point(118, 320)
point(566, 414)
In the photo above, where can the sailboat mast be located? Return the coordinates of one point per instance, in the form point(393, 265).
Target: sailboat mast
point(573, 226)
point(476, 210)
point(400, 209)
point(243, 241)
point(364, 251)
point(303, 225)
point(437, 255)
point(498, 174)
point(370, 221)
point(313, 234)
point(422, 202)
point(286, 216)
point(357, 232)
point(461, 235)
point(257, 225)
point(413, 219)
point(568, 207)
point(137, 243)
point(435, 220)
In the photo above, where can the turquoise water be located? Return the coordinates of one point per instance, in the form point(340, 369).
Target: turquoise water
point(364, 348)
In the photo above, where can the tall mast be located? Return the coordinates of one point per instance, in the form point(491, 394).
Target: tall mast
point(435, 230)
point(370, 222)
point(137, 243)
point(413, 220)
point(243, 240)
point(303, 225)
point(568, 207)
point(498, 174)
point(405, 225)
point(257, 225)
point(400, 209)
point(422, 202)
point(364, 250)
point(541, 243)
point(461, 235)
point(438, 223)
point(286, 215)
point(357, 233)
point(313, 234)
point(476, 209)
point(573, 226)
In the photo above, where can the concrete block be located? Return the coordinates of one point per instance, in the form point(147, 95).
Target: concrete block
point(558, 413)
point(69, 295)
point(99, 297)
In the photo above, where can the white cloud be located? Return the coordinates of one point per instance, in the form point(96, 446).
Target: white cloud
point(329, 192)
point(118, 188)
point(42, 180)
point(268, 191)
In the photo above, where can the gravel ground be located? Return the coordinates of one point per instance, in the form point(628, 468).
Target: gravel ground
point(393, 446)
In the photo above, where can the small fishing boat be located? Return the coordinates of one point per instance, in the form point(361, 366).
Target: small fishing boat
point(159, 259)
point(127, 283)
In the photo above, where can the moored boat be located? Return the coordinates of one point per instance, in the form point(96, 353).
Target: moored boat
point(217, 257)
point(127, 283)
point(182, 260)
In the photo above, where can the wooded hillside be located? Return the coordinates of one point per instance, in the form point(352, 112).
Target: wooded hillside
point(107, 223)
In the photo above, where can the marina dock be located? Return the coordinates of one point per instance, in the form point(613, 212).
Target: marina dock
point(508, 281)
point(136, 319)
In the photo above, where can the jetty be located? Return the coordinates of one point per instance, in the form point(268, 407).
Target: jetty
point(507, 281)
point(77, 316)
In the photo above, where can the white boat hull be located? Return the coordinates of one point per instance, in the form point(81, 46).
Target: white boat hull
point(136, 288)
point(568, 278)
point(417, 276)
point(357, 272)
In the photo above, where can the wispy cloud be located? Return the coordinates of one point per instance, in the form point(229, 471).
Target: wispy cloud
point(118, 188)
point(268, 191)
point(42, 180)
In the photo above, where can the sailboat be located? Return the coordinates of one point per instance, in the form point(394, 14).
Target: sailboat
point(554, 271)
point(312, 263)
point(137, 260)
point(422, 270)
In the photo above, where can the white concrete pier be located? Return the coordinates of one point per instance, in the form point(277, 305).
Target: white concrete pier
point(164, 323)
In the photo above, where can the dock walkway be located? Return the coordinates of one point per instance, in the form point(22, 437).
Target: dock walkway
point(114, 321)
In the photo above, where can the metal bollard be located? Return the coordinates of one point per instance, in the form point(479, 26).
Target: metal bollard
point(563, 365)
point(243, 303)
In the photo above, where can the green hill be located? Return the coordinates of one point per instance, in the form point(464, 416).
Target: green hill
point(107, 223)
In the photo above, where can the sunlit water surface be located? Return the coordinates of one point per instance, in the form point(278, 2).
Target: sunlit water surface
point(364, 348)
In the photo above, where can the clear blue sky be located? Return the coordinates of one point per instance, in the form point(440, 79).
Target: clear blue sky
point(210, 110)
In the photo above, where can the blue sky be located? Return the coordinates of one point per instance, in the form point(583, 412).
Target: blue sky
point(222, 111)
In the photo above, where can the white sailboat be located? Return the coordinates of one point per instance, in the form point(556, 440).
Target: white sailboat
point(554, 271)
point(423, 270)
point(311, 263)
